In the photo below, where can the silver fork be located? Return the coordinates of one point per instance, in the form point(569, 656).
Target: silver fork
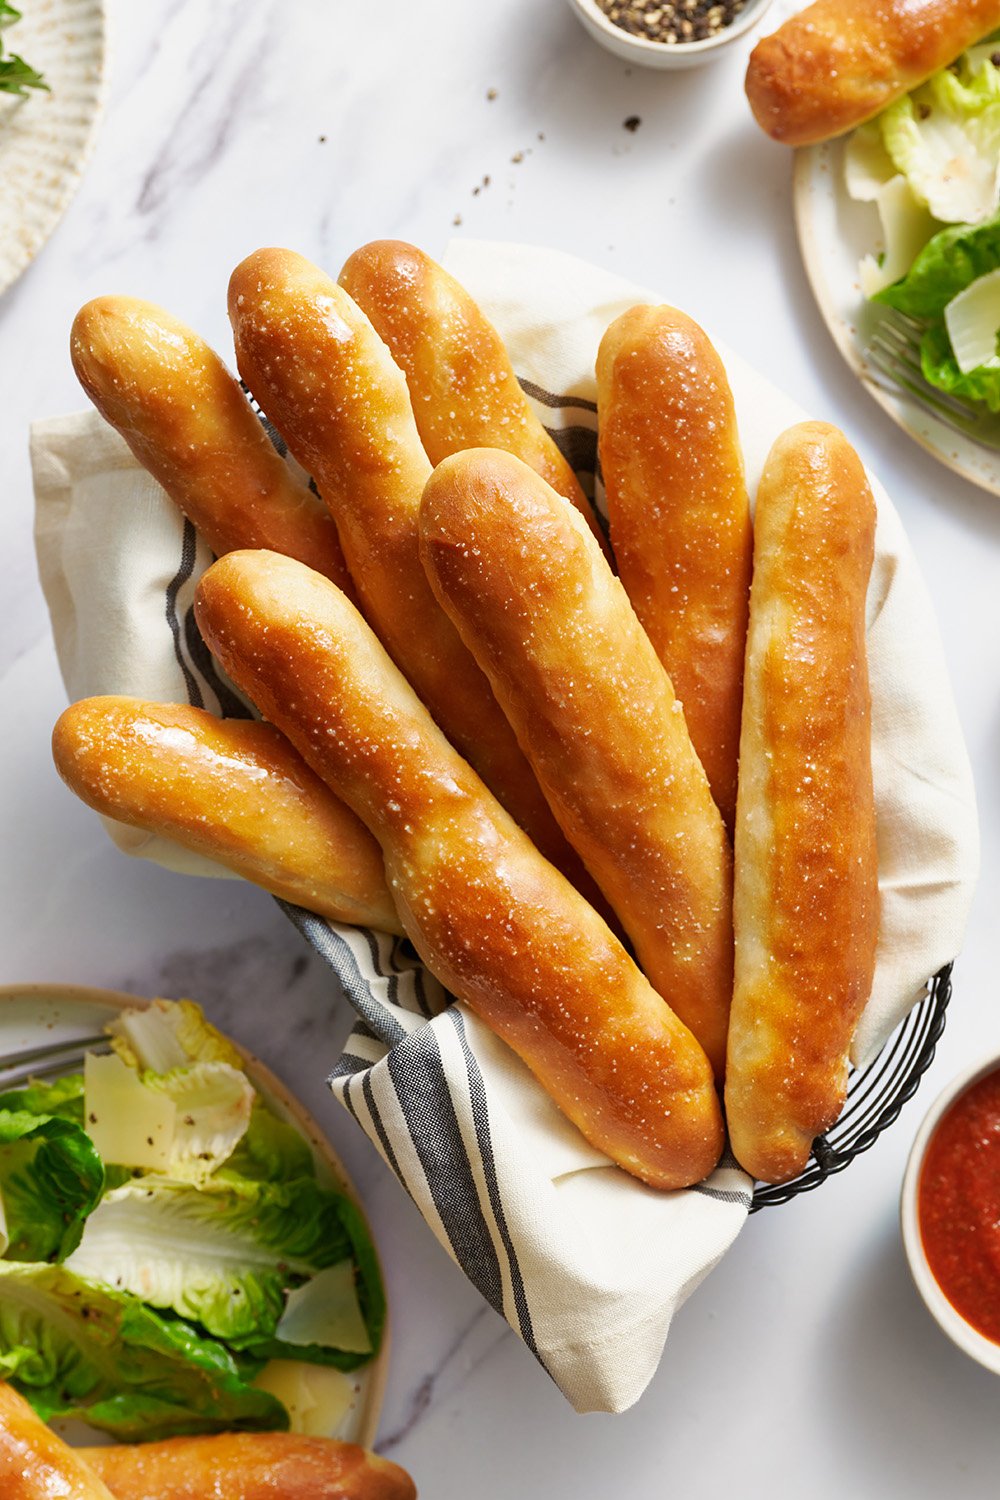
point(50, 1061)
point(894, 350)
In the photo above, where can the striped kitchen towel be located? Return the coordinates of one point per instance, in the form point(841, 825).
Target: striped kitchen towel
point(587, 1265)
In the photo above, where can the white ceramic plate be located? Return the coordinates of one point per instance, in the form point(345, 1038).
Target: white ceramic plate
point(45, 139)
point(34, 1014)
point(834, 233)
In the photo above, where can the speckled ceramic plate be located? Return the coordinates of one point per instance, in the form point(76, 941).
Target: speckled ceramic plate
point(834, 233)
point(45, 139)
point(34, 1014)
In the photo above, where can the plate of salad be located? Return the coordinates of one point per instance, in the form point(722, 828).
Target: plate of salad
point(52, 77)
point(902, 216)
point(180, 1249)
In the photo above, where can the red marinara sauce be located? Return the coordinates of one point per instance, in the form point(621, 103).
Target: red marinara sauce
point(958, 1204)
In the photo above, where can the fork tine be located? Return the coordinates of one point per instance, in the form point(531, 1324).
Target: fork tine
point(48, 1061)
point(894, 350)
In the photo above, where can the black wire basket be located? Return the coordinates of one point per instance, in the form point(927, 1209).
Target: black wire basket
point(875, 1095)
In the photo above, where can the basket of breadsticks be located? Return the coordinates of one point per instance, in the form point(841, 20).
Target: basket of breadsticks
point(582, 703)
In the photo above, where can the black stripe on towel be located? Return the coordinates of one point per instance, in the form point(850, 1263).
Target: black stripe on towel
point(393, 977)
point(417, 1073)
point(230, 706)
point(549, 398)
point(380, 1130)
point(481, 1117)
point(578, 446)
point(334, 951)
point(724, 1195)
point(349, 1063)
point(188, 544)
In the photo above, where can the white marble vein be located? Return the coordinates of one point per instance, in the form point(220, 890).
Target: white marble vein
point(805, 1364)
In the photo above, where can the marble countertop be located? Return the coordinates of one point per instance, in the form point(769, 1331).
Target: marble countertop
point(805, 1364)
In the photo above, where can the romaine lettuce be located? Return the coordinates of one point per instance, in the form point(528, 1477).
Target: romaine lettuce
point(80, 1350)
point(213, 1102)
point(945, 139)
point(170, 1034)
point(57, 1096)
point(949, 262)
point(940, 367)
point(221, 1254)
point(50, 1178)
point(270, 1151)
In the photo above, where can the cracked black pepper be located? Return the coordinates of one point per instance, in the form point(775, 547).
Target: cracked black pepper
point(672, 22)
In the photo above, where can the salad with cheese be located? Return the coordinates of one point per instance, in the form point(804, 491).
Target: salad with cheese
point(930, 164)
point(170, 1261)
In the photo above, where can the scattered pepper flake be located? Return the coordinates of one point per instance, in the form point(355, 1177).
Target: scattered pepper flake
point(632, 123)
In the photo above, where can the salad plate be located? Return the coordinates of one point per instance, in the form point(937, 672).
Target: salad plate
point(46, 137)
point(835, 233)
point(33, 1015)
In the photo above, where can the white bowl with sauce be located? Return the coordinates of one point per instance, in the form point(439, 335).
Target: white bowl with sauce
point(649, 54)
point(985, 1350)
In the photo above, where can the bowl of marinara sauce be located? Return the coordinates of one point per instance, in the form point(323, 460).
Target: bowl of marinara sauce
point(950, 1210)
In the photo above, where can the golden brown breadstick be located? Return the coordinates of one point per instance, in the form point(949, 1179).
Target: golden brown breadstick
point(553, 629)
point(231, 789)
point(317, 366)
point(463, 387)
point(806, 900)
point(839, 62)
point(501, 928)
point(680, 518)
point(37, 1465)
point(187, 421)
point(248, 1466)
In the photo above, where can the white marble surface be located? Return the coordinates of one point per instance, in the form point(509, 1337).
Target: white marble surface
point(805, 1364)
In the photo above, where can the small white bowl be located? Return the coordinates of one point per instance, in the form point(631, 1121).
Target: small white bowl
point(968, 1339)
point(648, 54)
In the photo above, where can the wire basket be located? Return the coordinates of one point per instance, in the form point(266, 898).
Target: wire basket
point(875, 1095)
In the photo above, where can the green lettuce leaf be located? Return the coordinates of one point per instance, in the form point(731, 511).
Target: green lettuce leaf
point(940, 367)
point(60, 1096)
point(50, 1178)
point(213, 1102)
point(945, 139)
point(270, 1151)
point(79, 1350)
point(169, 1034)
point(221, 1254)
point(371, 1296)
point(945, 266)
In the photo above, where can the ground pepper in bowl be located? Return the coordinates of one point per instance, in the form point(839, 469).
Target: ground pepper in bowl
point(672, 22)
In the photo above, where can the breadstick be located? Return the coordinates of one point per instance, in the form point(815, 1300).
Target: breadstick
point(188, 423)
point(248, 1466)
point(806, 899)
point(37, 1465)
point(680, 518)
point(838, 62)
point(231, 789)
point(501, 928)
point(553, 629)
point(462, 384)
point(320, 370)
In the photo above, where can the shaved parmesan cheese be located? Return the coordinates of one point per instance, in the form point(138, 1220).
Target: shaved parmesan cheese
point(906, 227)
point(317, 1398)
point(973, 322)
point(130, 1125)
point(326, 1311)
